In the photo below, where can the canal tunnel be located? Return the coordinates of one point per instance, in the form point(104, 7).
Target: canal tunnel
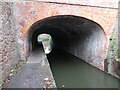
point(79, 36)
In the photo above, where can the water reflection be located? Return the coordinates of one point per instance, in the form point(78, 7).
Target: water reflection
point(71, 72)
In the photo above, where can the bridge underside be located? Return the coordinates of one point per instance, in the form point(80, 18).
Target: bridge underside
point(76, 35)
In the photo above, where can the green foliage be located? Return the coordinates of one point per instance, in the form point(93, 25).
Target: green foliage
point(114, 50)
point(17, 67)
point(13, 71)
point(1, 82)
point(118, 52)
point(46, 39)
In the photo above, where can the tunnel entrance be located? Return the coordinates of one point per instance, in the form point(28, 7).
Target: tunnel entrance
point(79, 36)
point(72, 36)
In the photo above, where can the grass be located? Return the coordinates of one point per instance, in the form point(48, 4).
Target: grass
point(17, 67)
point(114, 49)
point(118, 52)
point(13, 72)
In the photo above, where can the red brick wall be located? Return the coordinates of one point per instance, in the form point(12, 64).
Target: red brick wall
point(27, 13)
point(103, 16)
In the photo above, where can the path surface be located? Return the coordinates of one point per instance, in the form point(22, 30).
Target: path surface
point(34, 73)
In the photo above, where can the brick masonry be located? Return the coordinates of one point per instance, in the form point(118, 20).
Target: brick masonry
point(27, 13)
point(17, 18)
point(9, 55)
point(99, 3)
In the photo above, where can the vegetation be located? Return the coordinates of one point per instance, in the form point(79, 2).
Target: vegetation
point(13, 72)
point(118, 52)
point(114, 49)
point(17, 67)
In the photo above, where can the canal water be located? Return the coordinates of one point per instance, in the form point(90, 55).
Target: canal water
point(71, 72)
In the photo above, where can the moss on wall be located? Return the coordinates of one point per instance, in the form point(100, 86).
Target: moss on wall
point(113, 47)
point(113, 58)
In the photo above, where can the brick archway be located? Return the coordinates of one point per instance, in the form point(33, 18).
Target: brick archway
point(76, 35)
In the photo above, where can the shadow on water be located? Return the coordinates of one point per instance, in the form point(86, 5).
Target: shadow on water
point(71, 72)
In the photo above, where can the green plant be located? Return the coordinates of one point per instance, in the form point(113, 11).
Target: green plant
point(17, 67)
point(118, 53)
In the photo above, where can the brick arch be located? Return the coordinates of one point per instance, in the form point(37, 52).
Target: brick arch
point(31, 12)
point(77, 35)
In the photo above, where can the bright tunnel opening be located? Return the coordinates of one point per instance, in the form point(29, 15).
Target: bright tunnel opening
point(45, 39)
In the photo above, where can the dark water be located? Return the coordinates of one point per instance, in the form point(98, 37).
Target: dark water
point(71, 72)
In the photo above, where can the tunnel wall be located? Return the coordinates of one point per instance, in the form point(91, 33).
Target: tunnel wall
point(91, 48)
point(76, 35)
point(9, 52)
